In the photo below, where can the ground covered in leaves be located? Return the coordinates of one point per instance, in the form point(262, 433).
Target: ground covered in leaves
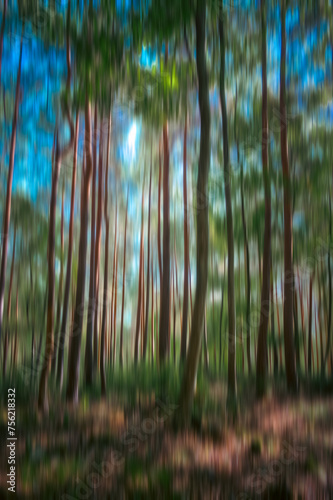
point(128, 447)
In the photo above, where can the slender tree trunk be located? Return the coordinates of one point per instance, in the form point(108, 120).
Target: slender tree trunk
point(186, 254)
point(145, 333)
point(61, 347)
point(275, 353)
point(16, 326)
point(139, 306)
point(123, 295)
point(75, 343)
point(174, 314)
point(298, 360)
point(5, 350)
point(152, 312)
point(159, 215)
point(115, 310)
point(329, 321)
point(113, 278)
point(264, 308)
point(221, 317)
point(6, 216)
point(106, 265)
point(165, 295)
point(310, 327)
point(98, 241)
point(89, 360)
point(61, 278)
point(193, 353)
point(232, 387)
point(288, 242)
point(206, 355)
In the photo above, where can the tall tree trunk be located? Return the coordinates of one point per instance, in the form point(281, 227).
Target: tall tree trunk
point(165, 295)
point(298, 359)
point(288, 241)
point(193, 353)
point(115, 309)
point(98, 241)
point(59, 155)
point(152, 311)
point(264, 308)
point(139, 306)
point(159, 214)
point(206, 356)
point(310, 327)
point(145, 334)
point(61, 278)
point(329, 321)
point(61, 347)
point(221, 317)
point(92, 305)
point(106, 265)
point(275, 353)
point(123, 295)
point(174, 313)
point(75, 342)
point(232, 387)
point(5, 349)
point(186, 254)
point(6, 216)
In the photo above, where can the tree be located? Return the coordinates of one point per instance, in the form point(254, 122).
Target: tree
point(106, 267)
point(145, 334)
point(288, 242)
point(92, 305)
point(98, 242)
point(265, 290)
point(60, 154)
point(60, 366)
point(193, 353)
point(186, 254)
point(6, 217)
point(123, 292)
point(139, 305)
point(232, 388)
point(74, 352)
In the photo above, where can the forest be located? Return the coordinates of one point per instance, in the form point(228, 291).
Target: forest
point(166, 234)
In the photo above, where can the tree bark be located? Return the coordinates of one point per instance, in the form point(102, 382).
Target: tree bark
point(310, 328)
point(186, 254)
point(6, 216)
point(61, 347)
point(59, 155)
point(193, 353)
point(139, 305)
point(61, 278)
point(288, 242)
point(98, 241)
point(123, 295)
point(106, 266)
point(264, 308)
point(165, 293)
point(232, 386)
point(159, 215)
point(89, 360)
point(75, 343)
point(9, 301)
point(145, 334)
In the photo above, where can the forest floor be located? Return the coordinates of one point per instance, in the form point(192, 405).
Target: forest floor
point(281, 447)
